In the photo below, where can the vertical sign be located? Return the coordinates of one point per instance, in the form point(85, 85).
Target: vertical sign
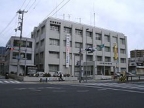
point(67, 50)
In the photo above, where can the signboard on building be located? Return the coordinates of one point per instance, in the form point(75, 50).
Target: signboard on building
point(67, 50)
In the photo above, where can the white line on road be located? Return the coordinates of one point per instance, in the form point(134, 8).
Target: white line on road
point(1, 82)
point(6, 81)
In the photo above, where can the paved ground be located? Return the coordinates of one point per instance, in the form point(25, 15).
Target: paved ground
point(72, 95)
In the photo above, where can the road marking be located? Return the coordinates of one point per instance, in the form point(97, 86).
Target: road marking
point(1, 82)
point(6, 81)
point(17, 81)
point(20, 88)
point(12, 81)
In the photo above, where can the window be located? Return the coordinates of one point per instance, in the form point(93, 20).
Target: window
point(98, 36)
point(123, 60)
point(78, 45)
point(54, 54)
point(15, 55)
point(29, 44)
point(89, 45)
point(122, 51)
point(78, 32)
point(99, 58)
point(67, 30)
point(43, 29)
point(16, 43)
point(29, 56)
point(41, 55)
point(42, 42)
point(107, 49)
point(37, 44)
point(89, 58)
point(122, 40)
point(54, 27)
point(107, 38)
point(65, 43)
point(54, 42)
point(107, 59)
point(38, 33)
point(114, 39)
point(89, 34)
point(53, 68)
point(99, 48)
point(123, 69)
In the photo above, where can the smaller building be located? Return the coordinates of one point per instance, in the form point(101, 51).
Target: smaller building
point(136, 53)
point(26, 57)
point(2, 59)
point(136, 65)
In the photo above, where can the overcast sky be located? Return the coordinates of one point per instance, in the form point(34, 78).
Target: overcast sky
point(126, 16)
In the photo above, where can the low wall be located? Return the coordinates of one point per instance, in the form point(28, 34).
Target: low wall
point(36, 79)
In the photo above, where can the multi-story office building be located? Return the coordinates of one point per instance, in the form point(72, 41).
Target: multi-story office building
point(12, 54)
point(2, 59)
point(136, 53)
point(57, 44)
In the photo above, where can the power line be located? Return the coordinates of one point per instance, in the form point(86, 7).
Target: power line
point(8, 24)
point(61, 7)
point(32, 5)
point(55, 8)
point(23, 4)
point(27, 4)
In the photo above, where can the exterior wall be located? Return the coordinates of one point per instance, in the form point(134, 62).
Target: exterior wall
point(93, 65)
point(12, 55)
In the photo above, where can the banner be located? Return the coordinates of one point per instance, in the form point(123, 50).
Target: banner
point(67, 50)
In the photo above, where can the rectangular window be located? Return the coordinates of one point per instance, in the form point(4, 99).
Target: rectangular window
point(107, 38)
point(89, 58)
point(15, 55)
point(78, 45)
point(54, 27)
point(99, 58)
point(64, 55)
point(54, 54)
point(29, 56)
point(89, 34)
point(78, 32)
point(54, 42)
point(42, 42)
point(107, 59)
point(43, 29)
point(53, 68)
point(107, 49)
point(89, 45)
point(99, 48)
point(122, 51)
point(115, 39)
point(38, 33)
point(41, 55)
point(98, 36)
point(123, 60)
point(67, 30)
point(122, 41)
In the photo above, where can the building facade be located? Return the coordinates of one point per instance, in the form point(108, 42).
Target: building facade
point(12, 54)
point(2, 59)
point(58, 42)
point(136, 53)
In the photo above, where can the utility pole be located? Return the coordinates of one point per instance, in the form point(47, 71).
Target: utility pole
point(20, 28)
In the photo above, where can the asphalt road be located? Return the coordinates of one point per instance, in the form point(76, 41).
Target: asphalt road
point(71, 96)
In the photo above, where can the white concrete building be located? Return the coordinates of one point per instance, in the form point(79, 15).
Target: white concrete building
point(55, 51)
point(12, 55)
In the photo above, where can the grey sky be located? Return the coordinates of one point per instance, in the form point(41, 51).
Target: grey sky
point(126, 16)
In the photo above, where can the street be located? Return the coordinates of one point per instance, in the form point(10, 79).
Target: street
point(84, 95)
